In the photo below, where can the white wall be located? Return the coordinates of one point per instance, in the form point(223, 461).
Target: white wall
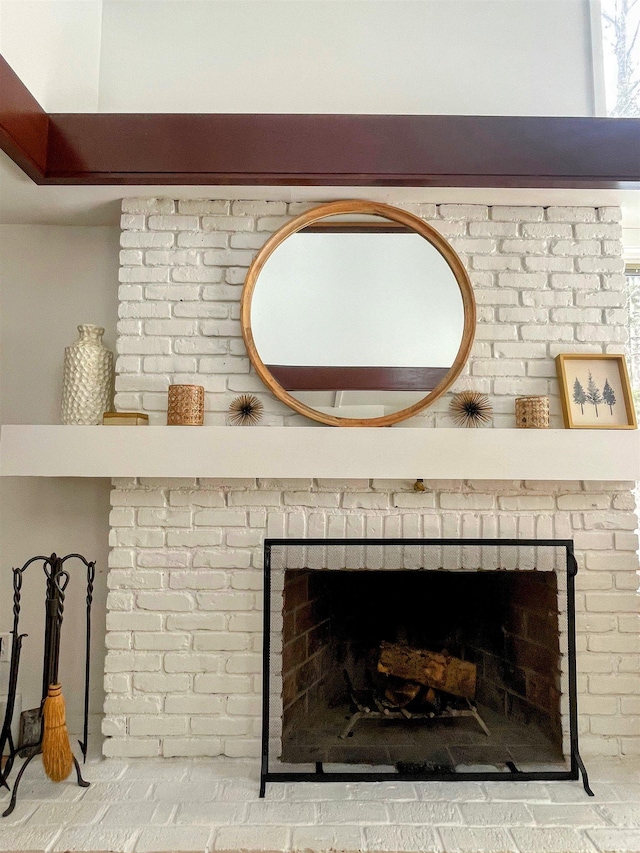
point(54, 47)
point(51, 279)
point(495, 57)
point(487, 57)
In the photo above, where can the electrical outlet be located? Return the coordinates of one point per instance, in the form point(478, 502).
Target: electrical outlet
point(5, 648)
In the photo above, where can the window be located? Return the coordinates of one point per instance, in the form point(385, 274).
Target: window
point(633, 291)
point(621, 55)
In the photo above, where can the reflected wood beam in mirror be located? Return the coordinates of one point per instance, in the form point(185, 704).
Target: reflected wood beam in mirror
point(329, 378)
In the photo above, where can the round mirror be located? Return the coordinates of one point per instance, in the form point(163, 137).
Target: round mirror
point(357, 314)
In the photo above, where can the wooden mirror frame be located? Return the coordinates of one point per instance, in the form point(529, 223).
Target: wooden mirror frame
point(368, 208)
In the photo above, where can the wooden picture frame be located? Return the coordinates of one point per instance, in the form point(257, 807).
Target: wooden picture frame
point(595, 391)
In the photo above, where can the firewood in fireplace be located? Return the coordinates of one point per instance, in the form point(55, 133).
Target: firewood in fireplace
point(432, 700)
point(411, 698)
point(431, 669)
point(400, 692)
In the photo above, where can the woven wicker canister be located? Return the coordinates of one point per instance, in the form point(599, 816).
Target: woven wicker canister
point(186, 405)
point(532, 412)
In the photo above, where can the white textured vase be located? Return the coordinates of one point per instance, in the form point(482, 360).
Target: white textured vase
point(88, 384)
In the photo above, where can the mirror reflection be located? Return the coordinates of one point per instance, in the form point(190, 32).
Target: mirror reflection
point(357, 320)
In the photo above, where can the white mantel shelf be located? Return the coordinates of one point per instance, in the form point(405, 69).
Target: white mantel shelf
point(279, 452)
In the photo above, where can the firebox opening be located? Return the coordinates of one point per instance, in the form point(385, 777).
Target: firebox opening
point(422, 670)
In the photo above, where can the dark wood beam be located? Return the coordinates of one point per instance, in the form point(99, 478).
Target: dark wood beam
point(315, 150)
point(23, 124)
point(344, 150)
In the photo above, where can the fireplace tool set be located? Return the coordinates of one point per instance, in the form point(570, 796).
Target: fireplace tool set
point(43, 729)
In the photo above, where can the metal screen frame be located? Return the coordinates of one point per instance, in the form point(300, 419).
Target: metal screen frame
point(576, 768)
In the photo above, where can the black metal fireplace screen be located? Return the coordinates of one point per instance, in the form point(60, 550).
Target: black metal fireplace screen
point(419, 659)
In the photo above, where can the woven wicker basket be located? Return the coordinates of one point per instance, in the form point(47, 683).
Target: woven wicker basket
point(186, 405)
point(532, 412)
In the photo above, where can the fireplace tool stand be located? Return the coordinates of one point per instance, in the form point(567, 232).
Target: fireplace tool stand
point(57, 579)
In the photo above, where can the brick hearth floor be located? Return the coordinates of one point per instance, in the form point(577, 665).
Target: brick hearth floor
point(210, 805)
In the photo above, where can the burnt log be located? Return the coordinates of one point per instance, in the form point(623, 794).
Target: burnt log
point(400, 693)
point(431, 669)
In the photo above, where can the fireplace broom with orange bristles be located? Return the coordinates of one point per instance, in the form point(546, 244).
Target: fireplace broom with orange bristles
point(57, 757)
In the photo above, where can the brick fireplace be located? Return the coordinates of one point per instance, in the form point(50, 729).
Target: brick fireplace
point(500, 609)
point(183, 671)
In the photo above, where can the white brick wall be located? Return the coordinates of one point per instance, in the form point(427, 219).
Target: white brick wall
point(546, 280)
point(184, 611)
point(184, 621)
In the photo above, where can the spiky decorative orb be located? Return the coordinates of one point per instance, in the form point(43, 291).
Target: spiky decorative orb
point(470, 409)
point(245, 410)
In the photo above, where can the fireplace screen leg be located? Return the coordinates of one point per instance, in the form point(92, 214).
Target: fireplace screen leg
point(583, 771)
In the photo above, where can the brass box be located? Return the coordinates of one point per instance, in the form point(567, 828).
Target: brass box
point(125, 419)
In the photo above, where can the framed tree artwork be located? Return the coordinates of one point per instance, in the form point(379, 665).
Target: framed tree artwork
point(595, 391)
